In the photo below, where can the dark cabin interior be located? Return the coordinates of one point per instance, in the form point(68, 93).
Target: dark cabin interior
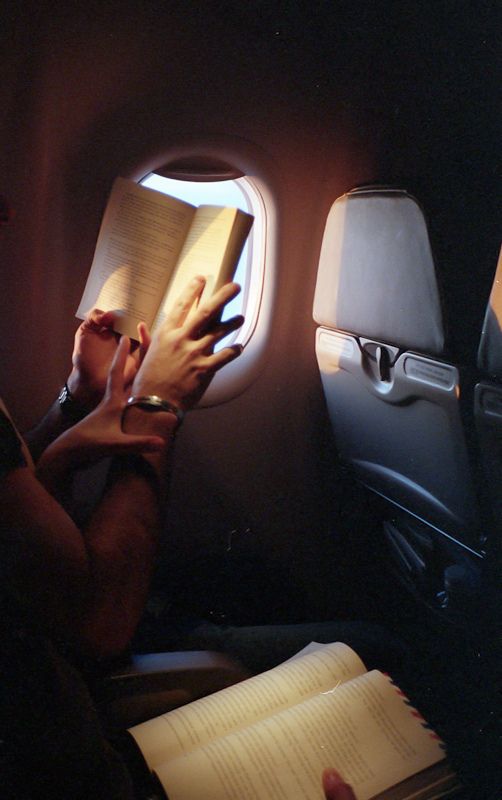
point(265, 524)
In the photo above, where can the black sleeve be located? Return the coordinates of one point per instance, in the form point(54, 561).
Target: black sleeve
point(11, 453)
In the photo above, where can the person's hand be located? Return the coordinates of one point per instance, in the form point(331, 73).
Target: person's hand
point(180, 362)
point(335, 787)
point(94, 348)
point(100, 434)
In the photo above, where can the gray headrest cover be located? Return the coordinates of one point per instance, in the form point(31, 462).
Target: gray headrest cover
point(376, 274)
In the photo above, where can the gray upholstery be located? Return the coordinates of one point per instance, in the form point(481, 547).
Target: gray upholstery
point(376, 274)
point(392, 403)
point(155, 683)
point(490, 347)
point(488, 398)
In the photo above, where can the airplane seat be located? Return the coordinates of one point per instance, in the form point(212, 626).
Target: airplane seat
point(150, 684)
point(144, 686)
point(391, 397)
point(488, 398)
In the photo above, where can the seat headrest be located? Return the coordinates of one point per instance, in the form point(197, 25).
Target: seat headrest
point(490, 345)
point(376, 274)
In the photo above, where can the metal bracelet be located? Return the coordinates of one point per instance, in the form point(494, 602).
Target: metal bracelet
point(151, 402)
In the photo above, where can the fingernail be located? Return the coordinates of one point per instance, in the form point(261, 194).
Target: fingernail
point(332, 779)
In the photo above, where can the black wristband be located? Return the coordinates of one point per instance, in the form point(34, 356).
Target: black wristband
point(71, 410)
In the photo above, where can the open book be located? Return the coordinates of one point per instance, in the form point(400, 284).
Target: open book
point(150, 245)
point(270, 737)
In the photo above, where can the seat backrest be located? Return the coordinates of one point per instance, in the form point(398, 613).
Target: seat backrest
point(376, 274)
point(490, 346)
point(392, 401)
point(488, 397)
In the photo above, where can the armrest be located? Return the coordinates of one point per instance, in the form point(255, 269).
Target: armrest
point(152, 684)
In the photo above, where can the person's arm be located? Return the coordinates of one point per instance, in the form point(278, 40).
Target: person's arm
point(46, 561)
point(178, 367)
point(94, 348)
point(92, 584)
point(98, 435)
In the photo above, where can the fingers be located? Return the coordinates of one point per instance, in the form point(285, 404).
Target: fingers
point(145, 339)
point(335, 787)
point(210, 311)
point(219, 331)
point(97, 319)
point(93, 317)
point(223, 357)
point(116, 376)
point(185, 301)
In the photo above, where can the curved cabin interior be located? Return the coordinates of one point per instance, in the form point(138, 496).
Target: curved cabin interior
point(349, 467)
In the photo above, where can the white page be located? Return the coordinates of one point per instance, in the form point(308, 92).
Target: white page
point(185, 728)
point(203, 253)
point(364, 729)
point(139, 242)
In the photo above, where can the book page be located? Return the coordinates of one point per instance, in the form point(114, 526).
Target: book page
point(212, 248)
point(139, 242)
point(364, 728)
point(312, 647)
point(185, 728)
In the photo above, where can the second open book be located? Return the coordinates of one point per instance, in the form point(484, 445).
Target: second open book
point(270, 737)
point(150, 245)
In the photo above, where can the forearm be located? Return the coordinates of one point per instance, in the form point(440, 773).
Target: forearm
point(88, 587)
point(121, 541)
point(122, 538)
point(118, 546)
point(56, 421)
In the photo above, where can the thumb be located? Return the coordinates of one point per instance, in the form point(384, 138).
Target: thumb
point(116, 379)
point(96, 319)
point(335, 787)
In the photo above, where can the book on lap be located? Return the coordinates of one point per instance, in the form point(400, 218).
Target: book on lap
point(272, 735)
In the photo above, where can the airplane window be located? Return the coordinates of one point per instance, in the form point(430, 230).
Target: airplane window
point(239, 193)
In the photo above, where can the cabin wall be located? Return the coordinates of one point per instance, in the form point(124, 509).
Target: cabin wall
point(323, 101)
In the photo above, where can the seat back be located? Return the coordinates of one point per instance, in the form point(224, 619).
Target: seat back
point(488, 397)
point(392, 400)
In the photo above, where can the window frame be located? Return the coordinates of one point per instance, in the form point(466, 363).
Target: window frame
point(248, 164)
